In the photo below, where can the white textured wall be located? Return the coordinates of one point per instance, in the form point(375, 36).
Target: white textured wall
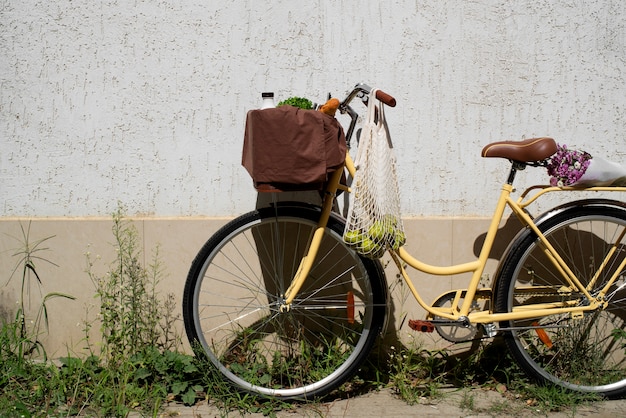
point(143, 102)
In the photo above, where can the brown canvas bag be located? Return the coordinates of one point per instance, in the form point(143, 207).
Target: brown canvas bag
point(287, 148)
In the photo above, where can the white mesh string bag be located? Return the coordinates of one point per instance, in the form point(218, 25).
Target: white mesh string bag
point(374, 224)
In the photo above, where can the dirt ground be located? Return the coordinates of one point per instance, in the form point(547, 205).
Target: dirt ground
point(477, 403)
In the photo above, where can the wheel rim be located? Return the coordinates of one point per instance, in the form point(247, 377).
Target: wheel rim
point(584, 353)
point(272, 352)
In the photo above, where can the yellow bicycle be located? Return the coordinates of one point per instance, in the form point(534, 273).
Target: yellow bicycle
point(283, 307)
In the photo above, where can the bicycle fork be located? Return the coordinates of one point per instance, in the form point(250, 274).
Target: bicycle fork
point(309, 258)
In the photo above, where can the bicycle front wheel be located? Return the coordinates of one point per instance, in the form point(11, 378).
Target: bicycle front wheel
point(585, 353)
point(234, 314)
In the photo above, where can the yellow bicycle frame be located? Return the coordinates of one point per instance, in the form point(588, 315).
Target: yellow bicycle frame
point(455, 312)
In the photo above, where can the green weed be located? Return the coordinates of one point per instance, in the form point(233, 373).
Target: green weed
point(29, 328)
point(137, 366)
point(28, 383)
point(416, 373)
point(467, 401)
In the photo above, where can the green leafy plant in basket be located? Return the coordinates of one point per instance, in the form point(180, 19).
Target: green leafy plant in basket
point(300, 102)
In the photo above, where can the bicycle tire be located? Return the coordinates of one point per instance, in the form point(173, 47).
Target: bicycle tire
point(581, 353)
point(233, 293)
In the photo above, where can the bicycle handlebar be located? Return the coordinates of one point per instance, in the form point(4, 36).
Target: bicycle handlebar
point(387, 99)
point(362, 91)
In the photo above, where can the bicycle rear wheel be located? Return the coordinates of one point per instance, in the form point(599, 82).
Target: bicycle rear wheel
point(584, 353)
point(235, 289)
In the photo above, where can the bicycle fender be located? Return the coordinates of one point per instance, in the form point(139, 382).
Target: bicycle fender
point(539, 220)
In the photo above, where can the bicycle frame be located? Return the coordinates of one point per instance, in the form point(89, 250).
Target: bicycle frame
point(462, 313)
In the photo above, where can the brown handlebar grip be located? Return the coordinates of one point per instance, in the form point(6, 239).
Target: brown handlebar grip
point(386, 98)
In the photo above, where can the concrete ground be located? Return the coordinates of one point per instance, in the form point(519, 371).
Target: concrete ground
point(474, 402)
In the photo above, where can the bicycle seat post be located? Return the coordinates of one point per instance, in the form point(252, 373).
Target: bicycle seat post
point(515, 167)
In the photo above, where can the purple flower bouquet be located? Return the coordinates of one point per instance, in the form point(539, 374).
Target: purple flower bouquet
point(578, 168)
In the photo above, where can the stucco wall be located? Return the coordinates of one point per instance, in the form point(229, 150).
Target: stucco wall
point(143, 102)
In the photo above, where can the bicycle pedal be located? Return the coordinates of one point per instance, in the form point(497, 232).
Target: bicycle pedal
point(421, 326)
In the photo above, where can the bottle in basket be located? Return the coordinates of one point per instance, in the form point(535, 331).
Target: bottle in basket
point(268, 100)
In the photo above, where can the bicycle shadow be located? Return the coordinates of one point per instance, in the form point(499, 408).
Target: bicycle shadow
point(505, 235)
